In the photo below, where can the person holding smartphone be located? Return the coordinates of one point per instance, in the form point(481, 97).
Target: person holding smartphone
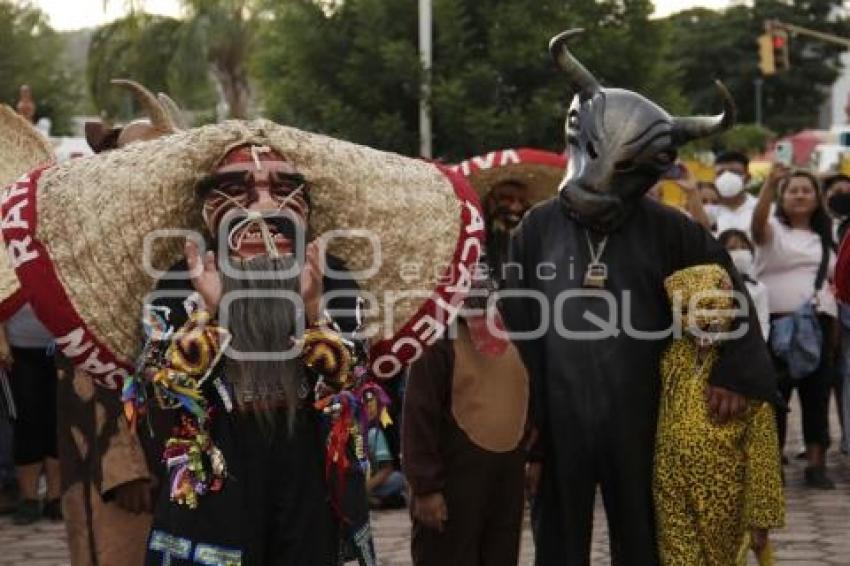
point(795, 260)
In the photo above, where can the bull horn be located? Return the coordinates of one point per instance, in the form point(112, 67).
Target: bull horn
point(158, 116)
point(578, 74)
point(172, 109)
point(694, 127)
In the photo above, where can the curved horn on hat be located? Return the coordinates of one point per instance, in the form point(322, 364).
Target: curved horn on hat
point(173, 110)
point(578, 74)
point(693, 127)
point(158, 115)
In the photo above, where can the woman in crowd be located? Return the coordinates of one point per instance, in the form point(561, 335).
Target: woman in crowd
point(795, 256)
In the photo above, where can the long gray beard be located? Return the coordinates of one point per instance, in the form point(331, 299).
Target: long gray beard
point(264, 324)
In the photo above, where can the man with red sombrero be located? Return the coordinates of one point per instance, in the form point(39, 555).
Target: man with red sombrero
point(248, 380)
point(509, 182)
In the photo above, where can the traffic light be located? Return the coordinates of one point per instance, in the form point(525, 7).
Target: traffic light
point(767, 62)
point(781, 60)
point(773, 50)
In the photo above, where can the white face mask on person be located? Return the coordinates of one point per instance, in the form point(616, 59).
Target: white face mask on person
point(743, 260)
point(729, 184)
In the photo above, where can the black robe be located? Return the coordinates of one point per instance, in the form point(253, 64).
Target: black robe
point(595, 401)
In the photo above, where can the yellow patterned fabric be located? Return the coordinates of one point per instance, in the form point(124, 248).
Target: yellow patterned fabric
point(325, 352)
point(705, 293)
point(712, 483)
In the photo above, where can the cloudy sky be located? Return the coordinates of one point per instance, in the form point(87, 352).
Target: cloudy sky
point(66, 15)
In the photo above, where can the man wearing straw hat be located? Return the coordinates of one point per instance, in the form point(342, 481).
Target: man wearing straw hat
point(597, 321)
point(247, 479)
point(509, 182)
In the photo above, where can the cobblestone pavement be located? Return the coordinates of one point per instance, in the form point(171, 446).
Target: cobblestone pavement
point(817, 531)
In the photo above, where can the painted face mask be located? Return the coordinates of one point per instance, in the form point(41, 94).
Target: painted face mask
point(257, 201)
point(701, 298)
point(729, 184)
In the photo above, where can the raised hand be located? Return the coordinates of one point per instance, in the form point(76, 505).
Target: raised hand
point(206, 278)
point(778, 172)
point(688, 183)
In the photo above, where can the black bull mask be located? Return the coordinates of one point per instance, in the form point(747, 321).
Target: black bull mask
point(619, 143)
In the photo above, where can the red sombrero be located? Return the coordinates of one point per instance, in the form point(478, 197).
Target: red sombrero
point(93, 228)
point(540, 171)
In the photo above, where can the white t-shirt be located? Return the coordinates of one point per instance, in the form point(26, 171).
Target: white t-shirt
point(758, 292)
point(740, 218)
point(788, 264)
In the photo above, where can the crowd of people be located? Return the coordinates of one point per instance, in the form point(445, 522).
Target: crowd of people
point(782, 234)
point(211, 458)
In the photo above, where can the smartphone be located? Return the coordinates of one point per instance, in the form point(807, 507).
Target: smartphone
point(675, 172)
point(783, 153)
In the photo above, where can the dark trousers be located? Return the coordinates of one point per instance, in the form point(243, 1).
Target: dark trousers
point(33, 383)
point(7, 467)
point(484, 497)
point(813, 390)
point(563, 510)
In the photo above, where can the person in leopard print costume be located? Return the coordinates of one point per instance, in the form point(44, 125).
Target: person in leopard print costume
point(717, 487)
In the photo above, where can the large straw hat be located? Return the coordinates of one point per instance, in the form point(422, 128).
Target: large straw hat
point(540, 171)
point(93, 217)
point(22, 148)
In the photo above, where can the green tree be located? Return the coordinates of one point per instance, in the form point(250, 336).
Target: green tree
point(222, 32)
point(351, 72)
point(156, 51)
point(351, 69)
point(219, 33)
point(707, 44)
point(750, 139)
point(31, 53)
point(140, 47)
